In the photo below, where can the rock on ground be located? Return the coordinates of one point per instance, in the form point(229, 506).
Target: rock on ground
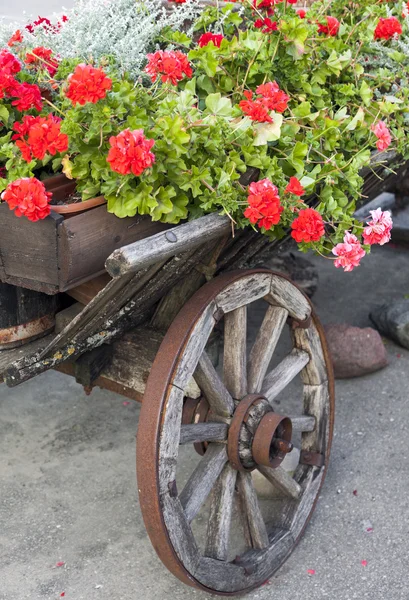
point(392, 320)
point(355, 351)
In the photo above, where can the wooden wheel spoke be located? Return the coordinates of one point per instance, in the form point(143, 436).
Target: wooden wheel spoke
point(212, 387)
point(249, 502)
point(202, 480)
point(264, 346)
point(303, 423)
point(235, 349)
point(218, 529)
point(285, 372)
point(203, 432)
point(282, 480)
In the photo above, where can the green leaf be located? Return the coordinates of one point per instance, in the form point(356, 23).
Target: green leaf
point(302, 110)
point(219, 106)
point(365, 93)
point(268, 132)
point(4, 113)
point(164, 203)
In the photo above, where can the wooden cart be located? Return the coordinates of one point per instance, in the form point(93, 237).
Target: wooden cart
point(150, 333)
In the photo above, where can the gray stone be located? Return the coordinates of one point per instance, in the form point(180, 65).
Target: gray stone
point(392, 320)
point(355, 351)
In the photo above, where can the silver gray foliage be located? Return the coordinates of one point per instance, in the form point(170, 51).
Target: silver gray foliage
point(123, 29)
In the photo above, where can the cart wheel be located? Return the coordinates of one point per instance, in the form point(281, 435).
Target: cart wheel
point(234, 424)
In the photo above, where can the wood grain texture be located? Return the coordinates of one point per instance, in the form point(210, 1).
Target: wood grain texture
point(202, 480)
point(285, 294)
point(169, 439)
point(316, 404)
point(282, 480)
point(264, 346)
point(212, 387)
point(244, 291)
point(195, 346)
point(235, 352)
point(294, 514)
point(315, 372)
point(85, 292)
point(303, 423)
point(221, 576)
point(203, 432)
point(285, 372)
point(162, 246)
point(218, 528)
point(86, 240)
point(257, 527)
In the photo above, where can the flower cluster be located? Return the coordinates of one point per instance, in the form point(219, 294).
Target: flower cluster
point(308, 226)
point(41, 57)
point(37, 136)
point(378, 230)
point(130, 152)
point(172, 66)
point(266, 25)
point(383, 134)
point(387, 29)
point(87, 84)
point(330, 28)
point(349, 252)
point(28, 197)
point(27, 95)
point(269, 98)
point(264, 207)
point(207, 38)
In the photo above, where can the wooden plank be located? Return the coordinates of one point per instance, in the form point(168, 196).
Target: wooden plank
point(294, 514)
point(162, 246)
point(285, 294)
point(264, 346)
point(282, 480)
point(285, 372)
point(203, 432)
point(218, 527)
point(316, 404)
point(64, 317)
point(244, 291)
point(212, 387)
point(85, 292)
point(303, 423)
point(195, 346)
point(235, 352)
point(169, 439)
point(220, 575)
point(8, 357)
point(85, 241)
point(33, 263)
point(88, 367)
point(202, 480)
point(308, 340)
point(251, 506)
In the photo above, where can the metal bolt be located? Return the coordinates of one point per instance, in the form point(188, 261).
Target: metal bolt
point(171, 237)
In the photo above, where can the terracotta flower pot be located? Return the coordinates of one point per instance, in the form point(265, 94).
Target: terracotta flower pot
point(61, 187)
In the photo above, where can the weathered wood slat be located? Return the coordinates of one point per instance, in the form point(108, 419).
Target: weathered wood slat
point(235, 352)
point(286, 294)
point(264, 346)
point(162, 246)
point(255, 519)
point(203, 432)
point(303, 423)
point(212, 387)
point(202, 480)
point(316, 403)
point(315, 371)
point(169, 439)
point(220, 575)
point(244, 291)
point(282, 480)
point(295, 513)
point(88, 367)
point(218, 528)
point(285, 372)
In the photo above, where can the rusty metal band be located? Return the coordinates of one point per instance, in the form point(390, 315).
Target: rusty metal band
point(312, 459)
point(263, 438)
point(20, 334)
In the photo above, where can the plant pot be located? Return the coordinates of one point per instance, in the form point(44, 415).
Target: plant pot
point(61, 187)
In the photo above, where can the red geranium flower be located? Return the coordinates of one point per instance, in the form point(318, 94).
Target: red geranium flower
point(269, 25)
point(302, 13)
point(28, 96)
point(257, 110)
point(264, 204)
point(206, 38)
point(387, 28)
point(130, 152)
point(331, 28)
point(37, 136)
point(308, 226)
point(275, 98)
point(28, 197)
point(41, 57)
point(16, 38)
point(295, 187)
point(7, 84)
point(9, 64)
point(87, 84)
point(46, 23)
point(171, 66)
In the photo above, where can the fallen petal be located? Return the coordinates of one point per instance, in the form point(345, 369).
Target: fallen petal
point(311, 571)
point(60, 564)
point(364, 563)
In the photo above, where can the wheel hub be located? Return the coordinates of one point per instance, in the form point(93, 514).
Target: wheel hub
point(258, 435)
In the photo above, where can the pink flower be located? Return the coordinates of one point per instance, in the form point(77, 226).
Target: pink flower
point(379, 229)
point(383, 134)
point(349, 253)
